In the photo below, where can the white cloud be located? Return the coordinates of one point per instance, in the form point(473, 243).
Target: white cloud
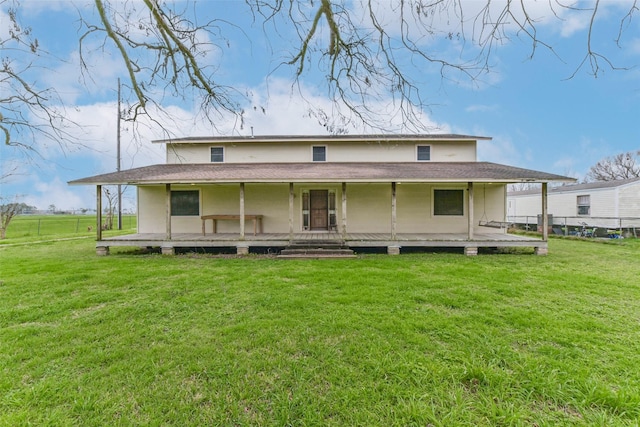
point(58, 193)
point(573, 23)
point(567, 166)
point(501, 149)
point(280, 108)
point(634, 46)
point(481, 108)
point(285, 112)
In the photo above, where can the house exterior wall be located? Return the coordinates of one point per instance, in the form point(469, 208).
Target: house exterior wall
point(280, 152)
point(269, 200)
point(629, 200)
point(151, 209)
point(368, 207)
point(524, 205)
point(559, 205)
point(490, 204)
point(612, 202)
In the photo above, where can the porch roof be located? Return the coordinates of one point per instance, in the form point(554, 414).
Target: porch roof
point(322, 172)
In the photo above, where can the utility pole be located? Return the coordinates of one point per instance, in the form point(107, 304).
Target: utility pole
point(118, 163)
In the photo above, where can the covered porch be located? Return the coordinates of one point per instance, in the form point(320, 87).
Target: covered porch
point(364, 205)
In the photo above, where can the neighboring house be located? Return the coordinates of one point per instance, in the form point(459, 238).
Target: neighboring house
point(609, 204)
point(388, 191)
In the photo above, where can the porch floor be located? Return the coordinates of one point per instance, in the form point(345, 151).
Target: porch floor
point(351, 240)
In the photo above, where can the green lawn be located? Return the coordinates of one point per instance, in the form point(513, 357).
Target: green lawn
point(29, 228)
point(420, 339)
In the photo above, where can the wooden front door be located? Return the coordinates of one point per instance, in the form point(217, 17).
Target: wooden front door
point(319, 209)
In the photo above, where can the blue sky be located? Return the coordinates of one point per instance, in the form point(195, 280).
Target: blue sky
point(539, 118)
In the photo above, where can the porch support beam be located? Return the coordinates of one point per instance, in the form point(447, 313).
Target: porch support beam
point(344, 210)
point(470, 210)
point(291, 197)
point(98, 212)
point(168, 210)
point(545, 216)
point(393, 211)
point(242, 211)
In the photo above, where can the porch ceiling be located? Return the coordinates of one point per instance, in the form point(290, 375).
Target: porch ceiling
point(322, 172)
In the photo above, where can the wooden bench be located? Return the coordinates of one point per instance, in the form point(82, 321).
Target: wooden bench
point(257, 221)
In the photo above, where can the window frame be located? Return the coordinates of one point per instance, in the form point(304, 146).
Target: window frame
point(580, 204)
point(216, 147)
point(434, 205)
point(183, 212)
point(313, 153)
point(418, 147)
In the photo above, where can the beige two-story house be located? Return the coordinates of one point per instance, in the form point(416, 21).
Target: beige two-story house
point(389, 191)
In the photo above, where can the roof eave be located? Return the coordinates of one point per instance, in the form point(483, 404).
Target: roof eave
point(285, 180)
point(316, 138)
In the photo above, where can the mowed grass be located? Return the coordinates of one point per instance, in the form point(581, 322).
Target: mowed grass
point(420, 339)
point(30, 228)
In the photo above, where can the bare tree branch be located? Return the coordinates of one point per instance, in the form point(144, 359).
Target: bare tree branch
point(28, 112)
point(374, 59)
point(618, 167)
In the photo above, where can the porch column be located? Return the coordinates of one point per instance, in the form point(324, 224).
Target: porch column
point(291, 196)
point(470, 209)
point(242, 210)
point(344, 210)
point(98, 212)
point(393, 211)
point(545, 216)
point(168, 210)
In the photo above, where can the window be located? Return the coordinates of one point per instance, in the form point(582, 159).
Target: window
point(217, 154)
point(423, 152)
point(333, 220)
point(185, 203)
point(584, 205)
point(448, 202)
point(306, 205)
point(319, 153)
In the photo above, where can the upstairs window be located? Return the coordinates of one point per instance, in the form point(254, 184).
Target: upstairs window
point(423, 153)
point(217, 154)
point(448, 202)
point(584, 205)
point(319, 153)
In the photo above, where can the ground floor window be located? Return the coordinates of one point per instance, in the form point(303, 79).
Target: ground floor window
point(185, 203)
point(448, 202)
point(584, 205)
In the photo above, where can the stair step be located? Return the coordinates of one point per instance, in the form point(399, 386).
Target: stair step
point(315, 244)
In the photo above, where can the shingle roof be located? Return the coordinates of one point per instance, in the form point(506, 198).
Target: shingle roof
point(322, 172)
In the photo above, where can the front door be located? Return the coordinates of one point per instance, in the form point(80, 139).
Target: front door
point(319, 209)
